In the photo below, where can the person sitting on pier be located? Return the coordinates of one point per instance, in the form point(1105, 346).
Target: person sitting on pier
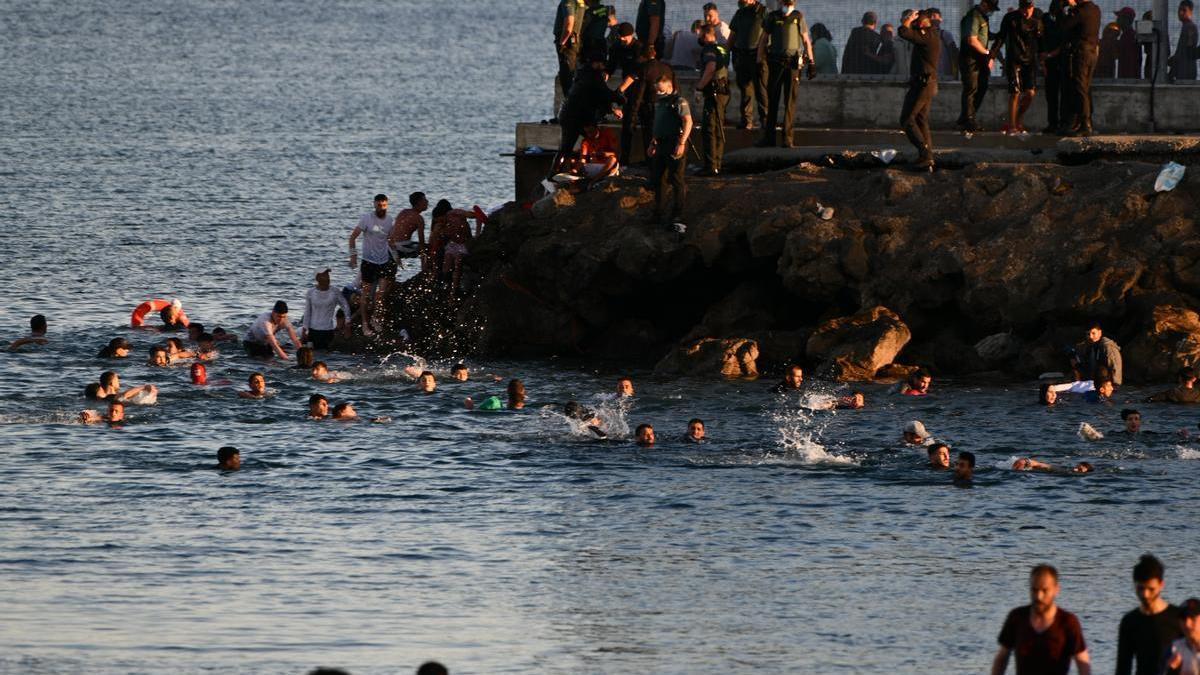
point(597, 157)
point(588, 102)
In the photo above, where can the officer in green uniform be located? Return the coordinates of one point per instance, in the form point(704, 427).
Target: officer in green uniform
point(745, 31)
point(594, 34)
point(785, 44)
point(668, 149)
point(714, 83)
point(567, 25)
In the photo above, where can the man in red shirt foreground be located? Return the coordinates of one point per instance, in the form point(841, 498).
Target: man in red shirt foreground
point(1043, 637)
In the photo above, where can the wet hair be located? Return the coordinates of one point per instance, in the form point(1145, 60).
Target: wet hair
point(115, 401)
point(107, 377)
point(37, 323)
point(919, 374)
point(425, 373)
point(516, 392)
point(225, 453)
point(969, 457)
point(92, 392)
point(319, 364)
point(158, 348)
point(1085, 466)
point(1039, 570)
point(1148, 567)
point(932, 450)
point(176, 343)
point(443, 207)
point(458, 366)
point(205, 337)
point(415, 198)
point(1044, 393)
point(110, 350)
point(695, 420)
point(819, 30)
point(1127, 412)
point(340, 408)
point(1101, 380)
point(315, 398)
point(641, 428)
point(218, 331)
point(304, 357)
point(198, 327)
point(432, 668)
point(380, 198)
point(165, 315)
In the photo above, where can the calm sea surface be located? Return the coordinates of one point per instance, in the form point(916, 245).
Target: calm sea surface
point(220, 152)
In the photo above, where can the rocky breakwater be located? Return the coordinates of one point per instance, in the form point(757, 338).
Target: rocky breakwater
point(993, 268)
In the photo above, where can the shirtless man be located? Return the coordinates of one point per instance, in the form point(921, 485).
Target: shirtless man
point(449, 236)
point(37, 334)
point(644, 436)
point(320, 373)
point(426, 383)
point(407, 222)
point(318, 407)
point(695, 431)
point(110, 385)
point(258, 387)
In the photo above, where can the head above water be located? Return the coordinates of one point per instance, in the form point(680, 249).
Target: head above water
point(426, 382)
point(1132, 420)
point(116, 409)
point(304, 357)
point(229, 458)
point(344, 411)
point(696, 429)
point(939, 456)
point(37, 324)
point(257, 383)
point(318, 406)
point(1047, 395)
point(964, 466)
point(625, 387)
point(460, 373)
point(793, 377)
point(159, 356)
point(644, 435)
point(199, 374)
point(915, 433)
point(516, 394)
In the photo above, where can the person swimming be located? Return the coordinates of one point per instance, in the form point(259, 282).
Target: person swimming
point(344, 412)
point(964, 469)
point(855, 401)
point(516, 399)
point(258, 386)
point(37, 334)
point(625, 388)
point(644, 436)
point(426, 382)
point(172, 316)
point(159, 357)
point(229, 459)
point(915, 433)
point(572, 410)
point(793, 380)
point(304, 358)
point(917, 384)
point(939, 456)
point(318, 407)
point(117, 348)
point(109, 384)
point(1132, 420)
point(459, 373)
point(1030, 464)
point(115, 414)
point(199, 374)
point(177, 351)
point(695, 431)
point(206, 347)
point(320, 373)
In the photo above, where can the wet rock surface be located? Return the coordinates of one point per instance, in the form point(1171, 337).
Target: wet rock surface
point(1031, 251)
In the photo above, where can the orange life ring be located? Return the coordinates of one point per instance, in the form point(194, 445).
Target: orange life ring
point(156, 305)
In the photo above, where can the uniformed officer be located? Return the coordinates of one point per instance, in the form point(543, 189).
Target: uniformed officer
point(714, 84)
point(594, 33)
point(917, 28)
point(1082, 26)
point(567, 25)
point(785, 44)
point(745, 31)
point(668, 149)
point(626, 55)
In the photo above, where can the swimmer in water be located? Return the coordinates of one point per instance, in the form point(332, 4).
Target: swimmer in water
point(159, 357)
point(304, 358)
point(37, 334)
point(177, 351)
point(964, 468)
point(1132, 420)
point(793, 380)
point(915, 433)
point(855, 401)
point(459, 373)
point(320, 373)
point(110, 385)
point(318, 407)
point(206, 347)
point(115, 415)
point(258, 386)
point(625, 388)
point(194, 331)
point(939, 456)
point(344, 412)
point(426, 382)
point(1030, 464)
point(1047, 394)
point(644, 436)
point(577, 412)
point(117, 348)
point(515, 394)
point(172, 316)
point(917, 384)
point(229, 459)
point(1102, 393)
point(199, 374)
point(221, 335)
point(695, 431)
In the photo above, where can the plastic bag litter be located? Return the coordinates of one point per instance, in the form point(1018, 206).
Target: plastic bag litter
point(1169, 177)
point(885, 156)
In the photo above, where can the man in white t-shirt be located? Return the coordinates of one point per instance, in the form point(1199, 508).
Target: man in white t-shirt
point(378, 268)
point(260, 339)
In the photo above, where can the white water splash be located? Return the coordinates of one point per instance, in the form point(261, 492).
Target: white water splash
point(1089, 433)
point(1187, 453)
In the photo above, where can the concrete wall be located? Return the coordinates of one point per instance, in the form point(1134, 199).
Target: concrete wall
point(865, 104)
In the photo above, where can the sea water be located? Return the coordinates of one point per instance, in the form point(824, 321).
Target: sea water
point(220, 152)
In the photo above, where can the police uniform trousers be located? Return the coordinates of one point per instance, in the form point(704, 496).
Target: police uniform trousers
point(713, 124)
point(1079, 88)
point(783, 81)
point(975, 78)
point(914, 116)
point(751, 80)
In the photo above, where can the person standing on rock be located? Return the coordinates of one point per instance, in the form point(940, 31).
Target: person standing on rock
point(714, 83)
point(377, 268)
point(1053, 56)
point(1098, 357)
point(408, 222)
point(917, 29)
point(1021, 31)
point(975, 63)
point(668, 150)
point(1082, 28)
point(745, 32)
point(784, 45)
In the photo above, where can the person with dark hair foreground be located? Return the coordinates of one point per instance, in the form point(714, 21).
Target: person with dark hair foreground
point(229, 459)
point(964, 469)
point(1146, 633)
point(1043, 637)
point(1184, 657)
point(644, 435)
point(939, 456)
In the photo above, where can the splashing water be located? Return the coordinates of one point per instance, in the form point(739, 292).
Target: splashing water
point(1089, 433)
point(797, 436)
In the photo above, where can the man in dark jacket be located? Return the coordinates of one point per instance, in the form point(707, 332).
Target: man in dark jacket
point(917, 28)
point(862, 49)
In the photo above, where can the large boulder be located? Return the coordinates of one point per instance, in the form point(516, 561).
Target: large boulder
point(854, 348)
point(735, 357)
point(1171, 341)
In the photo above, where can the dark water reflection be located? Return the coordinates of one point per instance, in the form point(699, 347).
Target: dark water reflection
point(220, 152)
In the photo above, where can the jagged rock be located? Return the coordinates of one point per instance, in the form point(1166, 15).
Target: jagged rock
point(854, 348)
point(731, 358)
point(548, 205)
point(1170, 342)
point(997, 348)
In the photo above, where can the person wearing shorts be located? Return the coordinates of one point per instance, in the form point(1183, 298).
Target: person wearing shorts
point(320, 312)
point(1020, 32)
point(449, 235)
point(378, 268)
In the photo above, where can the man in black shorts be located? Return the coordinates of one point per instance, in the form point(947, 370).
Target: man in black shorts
point(378, 268)
point(1043, 637)
point(1020, 32)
